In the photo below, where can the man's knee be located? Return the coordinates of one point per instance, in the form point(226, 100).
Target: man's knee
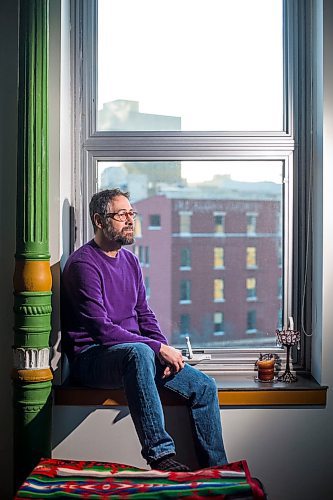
point(141, 352)
point(140, 361)
point(208, 386)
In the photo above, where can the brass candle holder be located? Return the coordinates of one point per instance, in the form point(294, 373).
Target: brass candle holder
point(288, 338)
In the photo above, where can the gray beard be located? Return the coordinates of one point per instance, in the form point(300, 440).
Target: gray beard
point(119, 237)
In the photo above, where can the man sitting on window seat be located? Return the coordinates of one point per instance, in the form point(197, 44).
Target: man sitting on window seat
point(112, 339)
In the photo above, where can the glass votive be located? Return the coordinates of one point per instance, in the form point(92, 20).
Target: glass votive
point(266, 367)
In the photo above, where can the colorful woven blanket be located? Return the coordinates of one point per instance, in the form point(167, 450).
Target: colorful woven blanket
point(53, 478)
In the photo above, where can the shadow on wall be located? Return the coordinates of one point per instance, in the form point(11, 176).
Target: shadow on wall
point(108, 434)
point(68, 238)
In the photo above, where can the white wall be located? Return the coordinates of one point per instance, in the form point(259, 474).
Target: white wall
point(289, 449)
point(60, 159)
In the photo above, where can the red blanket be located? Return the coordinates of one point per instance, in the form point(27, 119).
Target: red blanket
point(53, 478)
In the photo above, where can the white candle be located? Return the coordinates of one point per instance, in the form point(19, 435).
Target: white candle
point(291, 323)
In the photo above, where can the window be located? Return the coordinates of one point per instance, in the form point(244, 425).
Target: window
point(251, 322)
point(279, 287)
point(280, 256)
point(185, 222)
point(184, 324)
point(185, 291)
point(279, 319)
point(251, 223)
point(218, 290)
point(143, 255)
point(218, 257)
point(185, 258)
point(154, 221)
point(251, 290)
point(251, 257)
point(153, 102)
point(219, 223)
point(138, 227)
point(218, 323)
point(205, 158)
point(147, 286)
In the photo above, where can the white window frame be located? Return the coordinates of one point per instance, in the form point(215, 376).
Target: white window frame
point(91, 146)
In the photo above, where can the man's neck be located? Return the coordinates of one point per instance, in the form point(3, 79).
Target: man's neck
point(110, 248)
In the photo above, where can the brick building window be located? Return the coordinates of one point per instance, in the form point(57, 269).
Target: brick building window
point(251, 322)
point(218, 290)
point(219, 222)
point(218, 323)
point(218, 257)
point(251, 257)
point(280, 287)
point(143, 254)
point(251, 223)
point(251, 288)
point(185, 258)
point(154, 221)
point(147, 286)
point(185, 291)
point(185, 222)
point(184, 324)
point(138, 227)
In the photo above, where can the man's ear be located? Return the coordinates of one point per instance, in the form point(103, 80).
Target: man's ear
point(98, 220)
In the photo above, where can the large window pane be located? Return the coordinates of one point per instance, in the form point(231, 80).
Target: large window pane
point(190, 65)
point(209, 276)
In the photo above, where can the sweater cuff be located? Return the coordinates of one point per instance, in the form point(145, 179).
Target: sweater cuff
point(156, 346)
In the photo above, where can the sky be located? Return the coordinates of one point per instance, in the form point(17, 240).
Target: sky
point(215, 63)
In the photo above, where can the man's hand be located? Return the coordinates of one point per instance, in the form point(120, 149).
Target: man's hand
point(172, 358)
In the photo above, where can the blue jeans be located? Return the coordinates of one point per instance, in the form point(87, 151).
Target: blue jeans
point(136, 368)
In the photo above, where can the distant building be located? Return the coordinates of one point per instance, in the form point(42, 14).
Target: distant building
point(142, 179)
point(212, 267)
point(117, 176)
point(124, 115)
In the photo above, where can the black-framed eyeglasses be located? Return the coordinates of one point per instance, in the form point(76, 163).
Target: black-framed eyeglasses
point(121, 216)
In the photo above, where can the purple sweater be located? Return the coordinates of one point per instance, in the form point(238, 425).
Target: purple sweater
point(103, 301)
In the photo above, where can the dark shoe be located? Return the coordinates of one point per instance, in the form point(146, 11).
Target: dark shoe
point(169, 464)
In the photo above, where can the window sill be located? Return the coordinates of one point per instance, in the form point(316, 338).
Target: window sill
point(233, 391)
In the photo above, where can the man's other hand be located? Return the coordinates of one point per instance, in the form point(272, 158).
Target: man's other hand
point(172, 358)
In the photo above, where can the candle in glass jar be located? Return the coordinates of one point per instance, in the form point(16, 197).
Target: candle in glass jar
point(266, 366)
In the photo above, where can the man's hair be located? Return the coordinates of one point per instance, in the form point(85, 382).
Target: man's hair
point(99, 202)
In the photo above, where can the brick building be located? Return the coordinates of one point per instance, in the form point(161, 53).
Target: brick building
point(212, 268)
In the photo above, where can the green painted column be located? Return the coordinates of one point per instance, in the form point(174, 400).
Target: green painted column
point(32, 279)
